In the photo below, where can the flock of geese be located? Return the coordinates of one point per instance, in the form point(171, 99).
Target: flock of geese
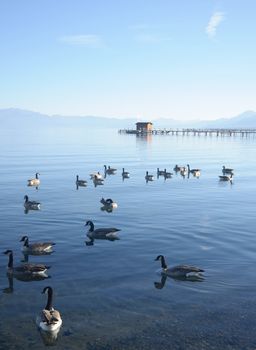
point(50, 319)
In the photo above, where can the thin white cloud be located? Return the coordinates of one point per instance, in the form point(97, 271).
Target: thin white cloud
point(89, 40)
point(213, 23)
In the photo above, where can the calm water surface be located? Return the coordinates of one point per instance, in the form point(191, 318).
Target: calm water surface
point(106, 292)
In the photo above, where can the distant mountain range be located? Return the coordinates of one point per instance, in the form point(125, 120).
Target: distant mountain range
point(22, 119)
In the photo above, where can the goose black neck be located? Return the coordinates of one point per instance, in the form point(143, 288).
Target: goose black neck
point(26, 242)
point(49, 299)
point(163, 263)
point(10, 262)
point(91, 226)
point(36, 175)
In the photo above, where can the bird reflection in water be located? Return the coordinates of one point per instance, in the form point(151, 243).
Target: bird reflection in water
point(161, 283)
point(23, 278)
point(26, 255)
point(49, 338)
point(91, 241)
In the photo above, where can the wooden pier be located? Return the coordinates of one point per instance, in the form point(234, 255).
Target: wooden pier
point(193, 131)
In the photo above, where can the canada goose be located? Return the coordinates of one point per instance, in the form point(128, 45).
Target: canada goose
point(149, 177)
point(31, 205)
point(227, 170)
point(35, 181)
point(25, 269)
point(50, 319)
point(179, 270)
point(226, 177)
point(179, 168)
point(80, 182)
point(125, 173)
point(160, 172)
point(108, 203)
point(183, 171)
point(39, 247)
point(96, 176)
point(108, 232)
point(195, 172)
point(109, 170)
point(167, 175)
point(97, 181)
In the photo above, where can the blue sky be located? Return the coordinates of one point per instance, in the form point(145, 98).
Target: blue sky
point(181, 59)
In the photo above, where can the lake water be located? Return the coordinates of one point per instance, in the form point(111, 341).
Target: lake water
point(106, 292)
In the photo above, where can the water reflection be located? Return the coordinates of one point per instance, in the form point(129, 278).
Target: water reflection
point(98, 182)
point(26, 255)
point(91, 241)
point(49, 338)
point(144, 137)
point(80, 185)
point(161, 283)
point(22, 278)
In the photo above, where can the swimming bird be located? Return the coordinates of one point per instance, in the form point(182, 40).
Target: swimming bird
point(227, 170)
point(195, 172)
point(167, 175)
point(38, 247)
point(31, 205)
point(24, 269)
point(109, 170)
point(179, 168)
point(108, 203)
point(99, 233)
point(80, 182)
point(179, 270)
point(96, 176)
point(35, 181)
point(50, 319)
point(160, 172)
point(149, 177)
point(98, 181)
point(125, 174)
point(226, 177)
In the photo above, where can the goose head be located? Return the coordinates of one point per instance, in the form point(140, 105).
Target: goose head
point(90, 223)
point(37, 175)
point(47, 289)
point(26, 198)
point(8, 252)
point(25, 240)
point(161, 258)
